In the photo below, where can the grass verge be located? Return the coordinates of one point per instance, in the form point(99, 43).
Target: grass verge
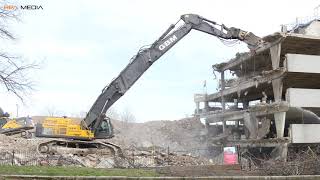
point(74, 171)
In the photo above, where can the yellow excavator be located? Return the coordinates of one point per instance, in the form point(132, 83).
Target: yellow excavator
point(87, 136)
point(71, 136)
point(15, 126)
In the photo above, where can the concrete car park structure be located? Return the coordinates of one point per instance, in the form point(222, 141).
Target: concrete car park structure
point(267, 97)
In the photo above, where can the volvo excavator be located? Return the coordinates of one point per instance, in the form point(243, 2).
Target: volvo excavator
point(15, 126)
point(89, 135)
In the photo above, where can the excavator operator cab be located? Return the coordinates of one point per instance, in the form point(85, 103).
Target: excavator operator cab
point(4, 117)
point(105, 130)
point(3, 121)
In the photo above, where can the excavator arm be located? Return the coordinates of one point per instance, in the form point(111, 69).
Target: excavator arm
point(147, 56)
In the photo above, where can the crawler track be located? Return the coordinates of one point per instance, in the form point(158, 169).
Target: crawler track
point(80, 148)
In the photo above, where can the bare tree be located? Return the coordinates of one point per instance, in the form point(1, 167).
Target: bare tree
point(82, 114)
point(127, 117)
point(13, 69)
point(51, 111)
point(112, 113)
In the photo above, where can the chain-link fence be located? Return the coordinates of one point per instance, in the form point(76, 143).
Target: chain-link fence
point(19, 158)
point(134, 158)
point(31, 158)
point(159, 157)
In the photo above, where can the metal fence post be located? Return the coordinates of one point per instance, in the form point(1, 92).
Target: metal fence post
point(132, 158)
point(12, 160)
point(168, 153)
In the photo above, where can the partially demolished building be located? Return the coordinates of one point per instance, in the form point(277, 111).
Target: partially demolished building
point(274, 100)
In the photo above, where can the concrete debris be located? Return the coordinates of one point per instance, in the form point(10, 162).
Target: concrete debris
point(16, 143)
point(185, 135)
point(105, 163)
point(154, 158)
point(161, 143)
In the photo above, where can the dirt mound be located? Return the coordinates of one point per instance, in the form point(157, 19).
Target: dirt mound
point(185, 135)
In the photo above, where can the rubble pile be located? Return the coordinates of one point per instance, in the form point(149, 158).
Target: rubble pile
point(19, 144)
point(150, 144)
point(302, 160)
point(185, 135)
point(154, 158)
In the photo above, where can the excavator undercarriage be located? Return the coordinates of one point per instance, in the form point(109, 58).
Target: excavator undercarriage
point(79, 148)
point(21, 131)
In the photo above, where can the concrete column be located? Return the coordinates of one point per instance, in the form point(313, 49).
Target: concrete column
point(206, 106)
point(277, 84)
point(235, 103)
point(280, 152)
point(222, 91)
point(280, 119)
point(275, 52)
point(237, 135)
point(245, 104)
point(224, 125)
point(197, 107)
point(207, 122)
point(284, 152)
point(251, 123)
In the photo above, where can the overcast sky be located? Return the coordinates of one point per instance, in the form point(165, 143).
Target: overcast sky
point(83, 44)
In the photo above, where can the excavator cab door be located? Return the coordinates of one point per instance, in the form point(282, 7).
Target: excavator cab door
point(105, 130)
point(3, 121)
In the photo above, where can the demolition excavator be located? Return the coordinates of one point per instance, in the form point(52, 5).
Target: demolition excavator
point(15, 126)
point(89, 135)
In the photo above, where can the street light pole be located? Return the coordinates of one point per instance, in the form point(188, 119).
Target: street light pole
point(17, 110)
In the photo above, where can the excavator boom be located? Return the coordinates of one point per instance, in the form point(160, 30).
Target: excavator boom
point(147, 56)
